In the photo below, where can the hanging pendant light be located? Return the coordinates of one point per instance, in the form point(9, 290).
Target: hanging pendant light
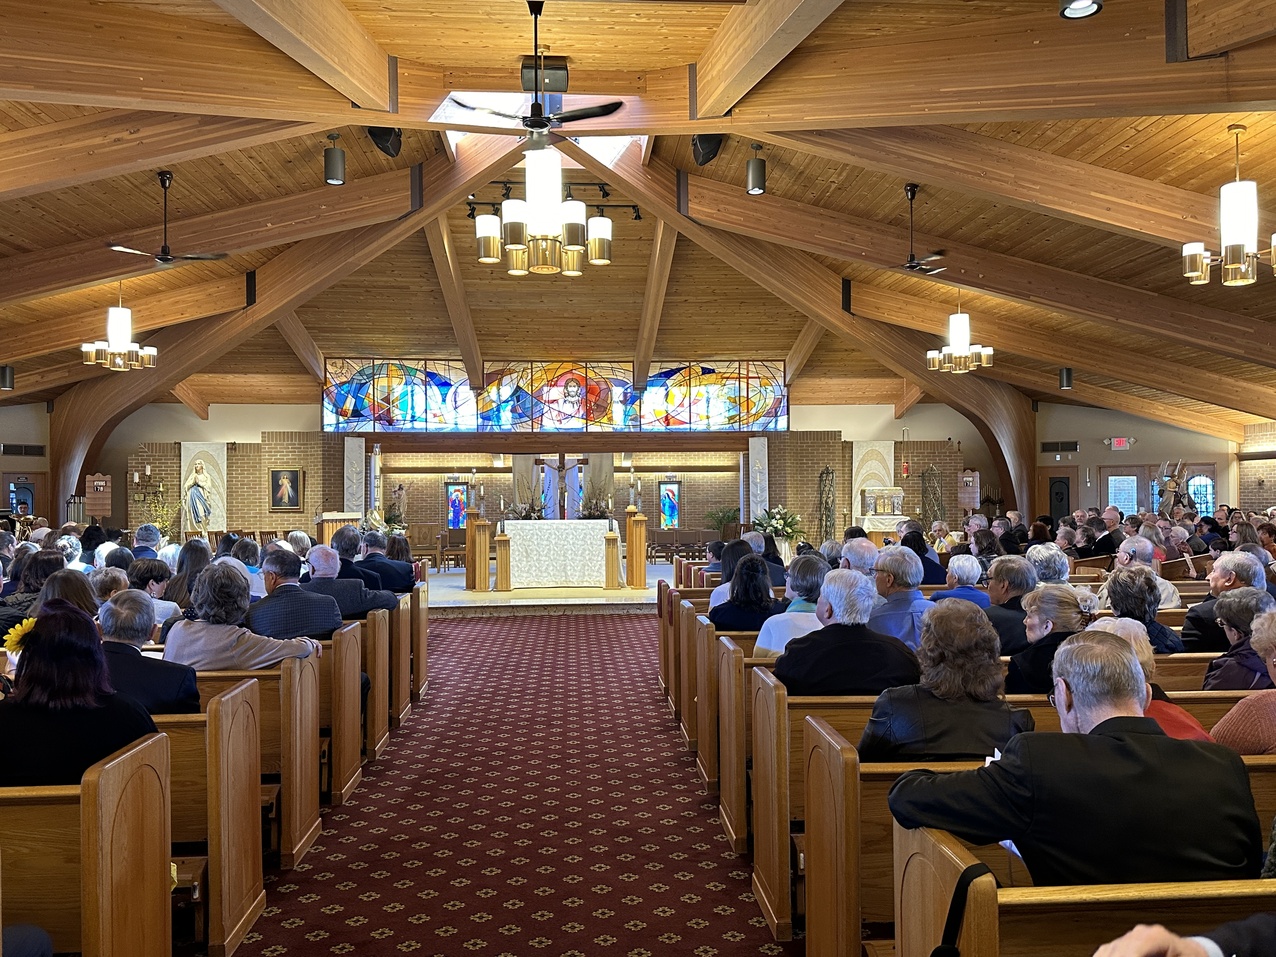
point(1237, 229)
point(959, 355)
point(6, 378)
point(118, 351)
point(487, 230)
point(599, 240)
point(334, 162)
point(514, 224)
point(517, 262)
point(573, 219)
point(755, 172)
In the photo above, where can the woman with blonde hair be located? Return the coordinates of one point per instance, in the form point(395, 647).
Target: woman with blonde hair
point(1153, 534)
point(1052, 613)
point(958, 710)
point(941, 537)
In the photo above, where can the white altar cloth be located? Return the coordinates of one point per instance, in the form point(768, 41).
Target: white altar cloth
point(548, 554)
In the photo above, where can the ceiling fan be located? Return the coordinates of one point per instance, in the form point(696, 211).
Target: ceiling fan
point(165, 255)
point(538, 121)
point(914, 264)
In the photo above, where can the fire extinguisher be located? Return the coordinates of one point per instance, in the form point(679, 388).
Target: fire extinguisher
point(904, 469)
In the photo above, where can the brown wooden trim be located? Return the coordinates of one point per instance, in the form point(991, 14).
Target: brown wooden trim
point(522, 442)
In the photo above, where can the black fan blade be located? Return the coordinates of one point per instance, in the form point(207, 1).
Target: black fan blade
point(202, 256)
point(933, 270)
point(128, 249)
point(587, 112)
point(934, 254)
point(484, 109)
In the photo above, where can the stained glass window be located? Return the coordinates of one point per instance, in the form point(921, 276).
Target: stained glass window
point(420, 395)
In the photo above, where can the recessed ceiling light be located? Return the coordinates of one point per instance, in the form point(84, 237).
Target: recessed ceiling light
point(1079, 9)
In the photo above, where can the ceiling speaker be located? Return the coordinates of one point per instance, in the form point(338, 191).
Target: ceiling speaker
point(553, 74)
point(388, 139)
point(705, 146)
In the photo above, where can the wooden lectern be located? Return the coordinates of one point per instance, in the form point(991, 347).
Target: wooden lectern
point(326, 523)
point(478, 543)
point(635, 548)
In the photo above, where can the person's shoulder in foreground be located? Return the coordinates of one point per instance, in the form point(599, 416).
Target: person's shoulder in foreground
point(1251, 937)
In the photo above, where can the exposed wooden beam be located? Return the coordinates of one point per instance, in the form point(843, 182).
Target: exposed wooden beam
point(839, 390)
point(272, 222)
point(802, 350)
point(1216, 26)
point(46, 377)
point(825, 232)
point(1176, 378)
point(653, 299)
point(648, 148)
point(187, 395)
point(1002, 415)
point(748, 45)
point(325, 38)
point(1118, 402)
point(912, 395)
point(1034, 66)
point(290, 279)
point(302, 343)
point(100, 145)
point(154, 312)
point(447, 266)
point(1030, 179)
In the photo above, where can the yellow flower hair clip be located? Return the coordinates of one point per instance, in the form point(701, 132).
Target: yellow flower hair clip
point(14, 640)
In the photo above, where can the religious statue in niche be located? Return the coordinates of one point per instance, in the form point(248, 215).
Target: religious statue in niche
point(197, 496)
point(1172, 489)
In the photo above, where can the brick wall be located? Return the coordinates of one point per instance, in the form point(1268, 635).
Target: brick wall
point(795, 460)
point(1257, 479)
point(920, 456)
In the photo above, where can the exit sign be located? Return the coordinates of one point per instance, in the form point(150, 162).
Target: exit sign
point(1120, 444)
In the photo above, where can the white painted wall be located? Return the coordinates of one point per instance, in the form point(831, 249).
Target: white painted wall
point(24, 425)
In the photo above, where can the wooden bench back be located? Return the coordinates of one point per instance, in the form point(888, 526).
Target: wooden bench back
point(400, 693)
point(216, 800)
point(374, 651)
point(420, 639)
point(686, 604)
point(1184, 671)
point(706, 697)
point(734, 739)
point(340, 710)
point(289, 739)
point(90, 862)
point(1069, 921)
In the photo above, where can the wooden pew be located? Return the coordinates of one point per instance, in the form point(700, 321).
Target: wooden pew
point(735, 739)
point(375, 656)
point(216, 787)
point(699, 603)
point(665, 613)
point(399, 704)
point(90, 862)
point(289, 744)
point(685, 668)
point(706, 697)
point(1068, 921)
point(340, 714)
point(420, 639)
point(1184, 671)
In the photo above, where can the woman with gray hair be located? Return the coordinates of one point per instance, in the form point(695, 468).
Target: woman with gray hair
point(963, 572)
point(1050, 562)
point(1132, 593)
point(1052, 614)
point(214, 640)
point(958, 711)
point(1240, 668)
point(1250, 727)
point(802, 589)
point(1066, 539)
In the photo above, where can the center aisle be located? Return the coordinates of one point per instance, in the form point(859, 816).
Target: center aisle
point(538, 803)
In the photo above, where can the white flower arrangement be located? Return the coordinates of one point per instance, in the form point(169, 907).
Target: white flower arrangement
point(779, 522)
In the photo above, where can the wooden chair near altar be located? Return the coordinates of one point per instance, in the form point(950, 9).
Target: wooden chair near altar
point(423, 537)
point(452, 548)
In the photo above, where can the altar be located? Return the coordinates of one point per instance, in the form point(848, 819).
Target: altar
point(547, 554)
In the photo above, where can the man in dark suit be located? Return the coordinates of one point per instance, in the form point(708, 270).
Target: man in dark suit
point(1251, 937)
point(845, 657)
point(1001, 528)
point(353, 597)
point(346, 541)
point(1232, 570)
point(289, 611)
point(758, 543)
point(1076, 804)
point(395, 576)
point(161, 687)
point(146, 541)
point(1010, 577)
point(1105, 539)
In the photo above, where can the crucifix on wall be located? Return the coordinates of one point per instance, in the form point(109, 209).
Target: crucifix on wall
point(559, 465)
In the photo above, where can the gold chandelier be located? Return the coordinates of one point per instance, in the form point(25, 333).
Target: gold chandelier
point(543, 234)
point(959, 356)
point(118, 351)
point(1238, 232)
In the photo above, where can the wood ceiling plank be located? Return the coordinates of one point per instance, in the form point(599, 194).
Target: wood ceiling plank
point(1216, 26)
point(1002, 415)
point(115, 142)
point(301, 343)
point(325, 38)
point(1035, 66)
point(845, 390)
point(802, 350)
point(911, 396)
point(826, 233)
point(273, 222)
point(189, 396)
point(51, 376)
point(448, 268)
point(749, 44)
point(153, 312)
point(653, 299)
point(1032, 179)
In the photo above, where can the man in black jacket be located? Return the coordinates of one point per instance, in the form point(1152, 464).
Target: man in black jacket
point(395, 576)
point(288, 610)
point(1010, 577)
point(346, 542)
point(1075, 804)
point(161, 687)
point(353, 597)
point(1201, 632)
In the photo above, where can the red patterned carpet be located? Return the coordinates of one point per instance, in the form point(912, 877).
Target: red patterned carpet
point(539, 803)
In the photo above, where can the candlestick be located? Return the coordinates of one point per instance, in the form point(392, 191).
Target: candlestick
point(609, 504)
point(148, 470)
point(135, 478)
point(502, 504)
point(640, 486)
point(480, 490)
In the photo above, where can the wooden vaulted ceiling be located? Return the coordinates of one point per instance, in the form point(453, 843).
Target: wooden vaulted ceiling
point(1060, 163)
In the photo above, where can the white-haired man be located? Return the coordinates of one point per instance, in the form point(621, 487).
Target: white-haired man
point(1232, 570)
point(1075, 804)
point(964, 572)
point(846, 657)
point(899, 576)
point(860, 555)
point(1139, 551)
point(757, 542)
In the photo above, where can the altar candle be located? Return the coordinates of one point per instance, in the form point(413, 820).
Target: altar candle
point(502, 503)
point(480, 489)
point(136, 479)
point(640, 486)
point(609, 505)
point(148, 471)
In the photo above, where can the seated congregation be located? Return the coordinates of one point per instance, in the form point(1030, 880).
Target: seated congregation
point(103, 655)
point(941, 705)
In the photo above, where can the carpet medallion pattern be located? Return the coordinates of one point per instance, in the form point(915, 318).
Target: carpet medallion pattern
point(538, 802)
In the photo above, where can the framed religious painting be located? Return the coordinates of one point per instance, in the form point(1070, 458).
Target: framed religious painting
point(286, 489)
point(670, 503)
point(457, 501)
